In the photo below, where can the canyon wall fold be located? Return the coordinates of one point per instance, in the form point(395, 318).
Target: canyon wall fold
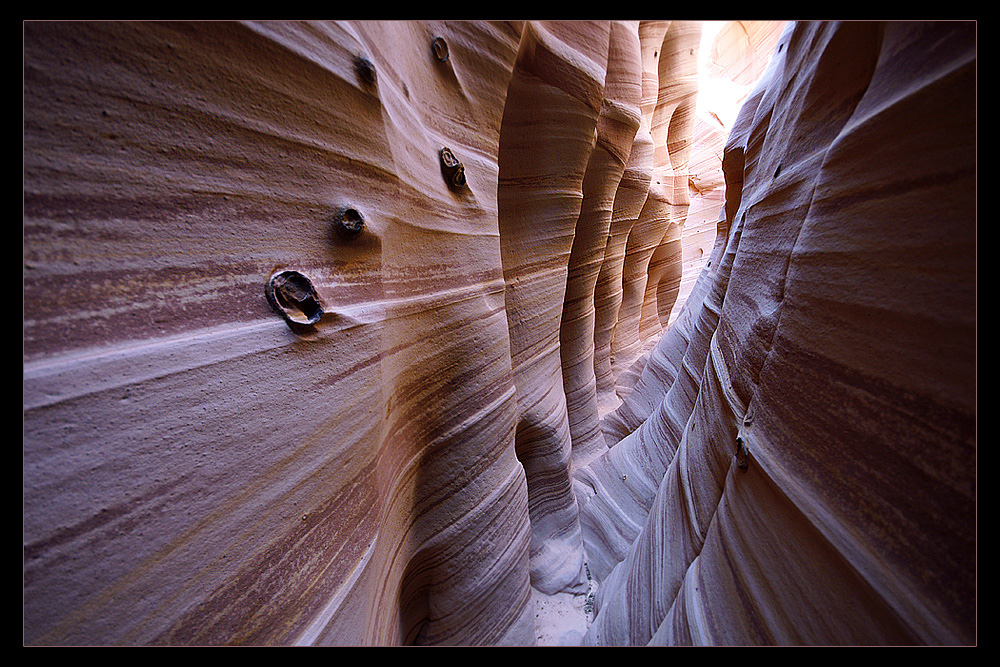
point(361, 333)
point(199, 471)
point(813, 459)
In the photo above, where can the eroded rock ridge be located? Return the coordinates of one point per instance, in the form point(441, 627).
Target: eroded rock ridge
point(373, 332)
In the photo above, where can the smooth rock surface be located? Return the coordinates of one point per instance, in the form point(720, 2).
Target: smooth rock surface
point(537, 367)
point(833, 354)
point(196, 471)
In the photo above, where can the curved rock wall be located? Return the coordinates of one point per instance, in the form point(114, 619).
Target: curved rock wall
point(554, 103)
point(356, 333)
point(808, 475)
point(196, 471)
point(733, 57)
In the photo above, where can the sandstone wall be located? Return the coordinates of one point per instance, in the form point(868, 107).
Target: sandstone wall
point(198, 472)
point(423, 428)
point(196, 469)
point(733, 57)
point(802, 464)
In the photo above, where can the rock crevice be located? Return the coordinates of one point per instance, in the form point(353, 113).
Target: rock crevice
point(626, 361)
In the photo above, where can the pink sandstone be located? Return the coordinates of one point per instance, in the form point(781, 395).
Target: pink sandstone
point(624, 370)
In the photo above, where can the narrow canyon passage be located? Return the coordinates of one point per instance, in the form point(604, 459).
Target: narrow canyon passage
point(499, 333)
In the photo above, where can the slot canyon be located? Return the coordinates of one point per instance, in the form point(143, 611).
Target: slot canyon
point(499, 333)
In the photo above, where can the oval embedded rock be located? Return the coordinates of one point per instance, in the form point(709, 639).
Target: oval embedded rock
point(452, 169)
point(293, 296)
point(440, 48)
point(349, 223)
point(365, 70)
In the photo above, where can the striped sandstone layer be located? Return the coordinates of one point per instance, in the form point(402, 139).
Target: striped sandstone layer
point(807, 476)
point(199, 472)
point(446, 444)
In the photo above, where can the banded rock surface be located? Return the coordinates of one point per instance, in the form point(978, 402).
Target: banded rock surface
point(448, 440)
point(392, 464)
point(196, 470)
point(808, 475)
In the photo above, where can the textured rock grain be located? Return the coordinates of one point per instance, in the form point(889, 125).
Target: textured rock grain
point(839, 347)
point(195, 472)
point(525, 386)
